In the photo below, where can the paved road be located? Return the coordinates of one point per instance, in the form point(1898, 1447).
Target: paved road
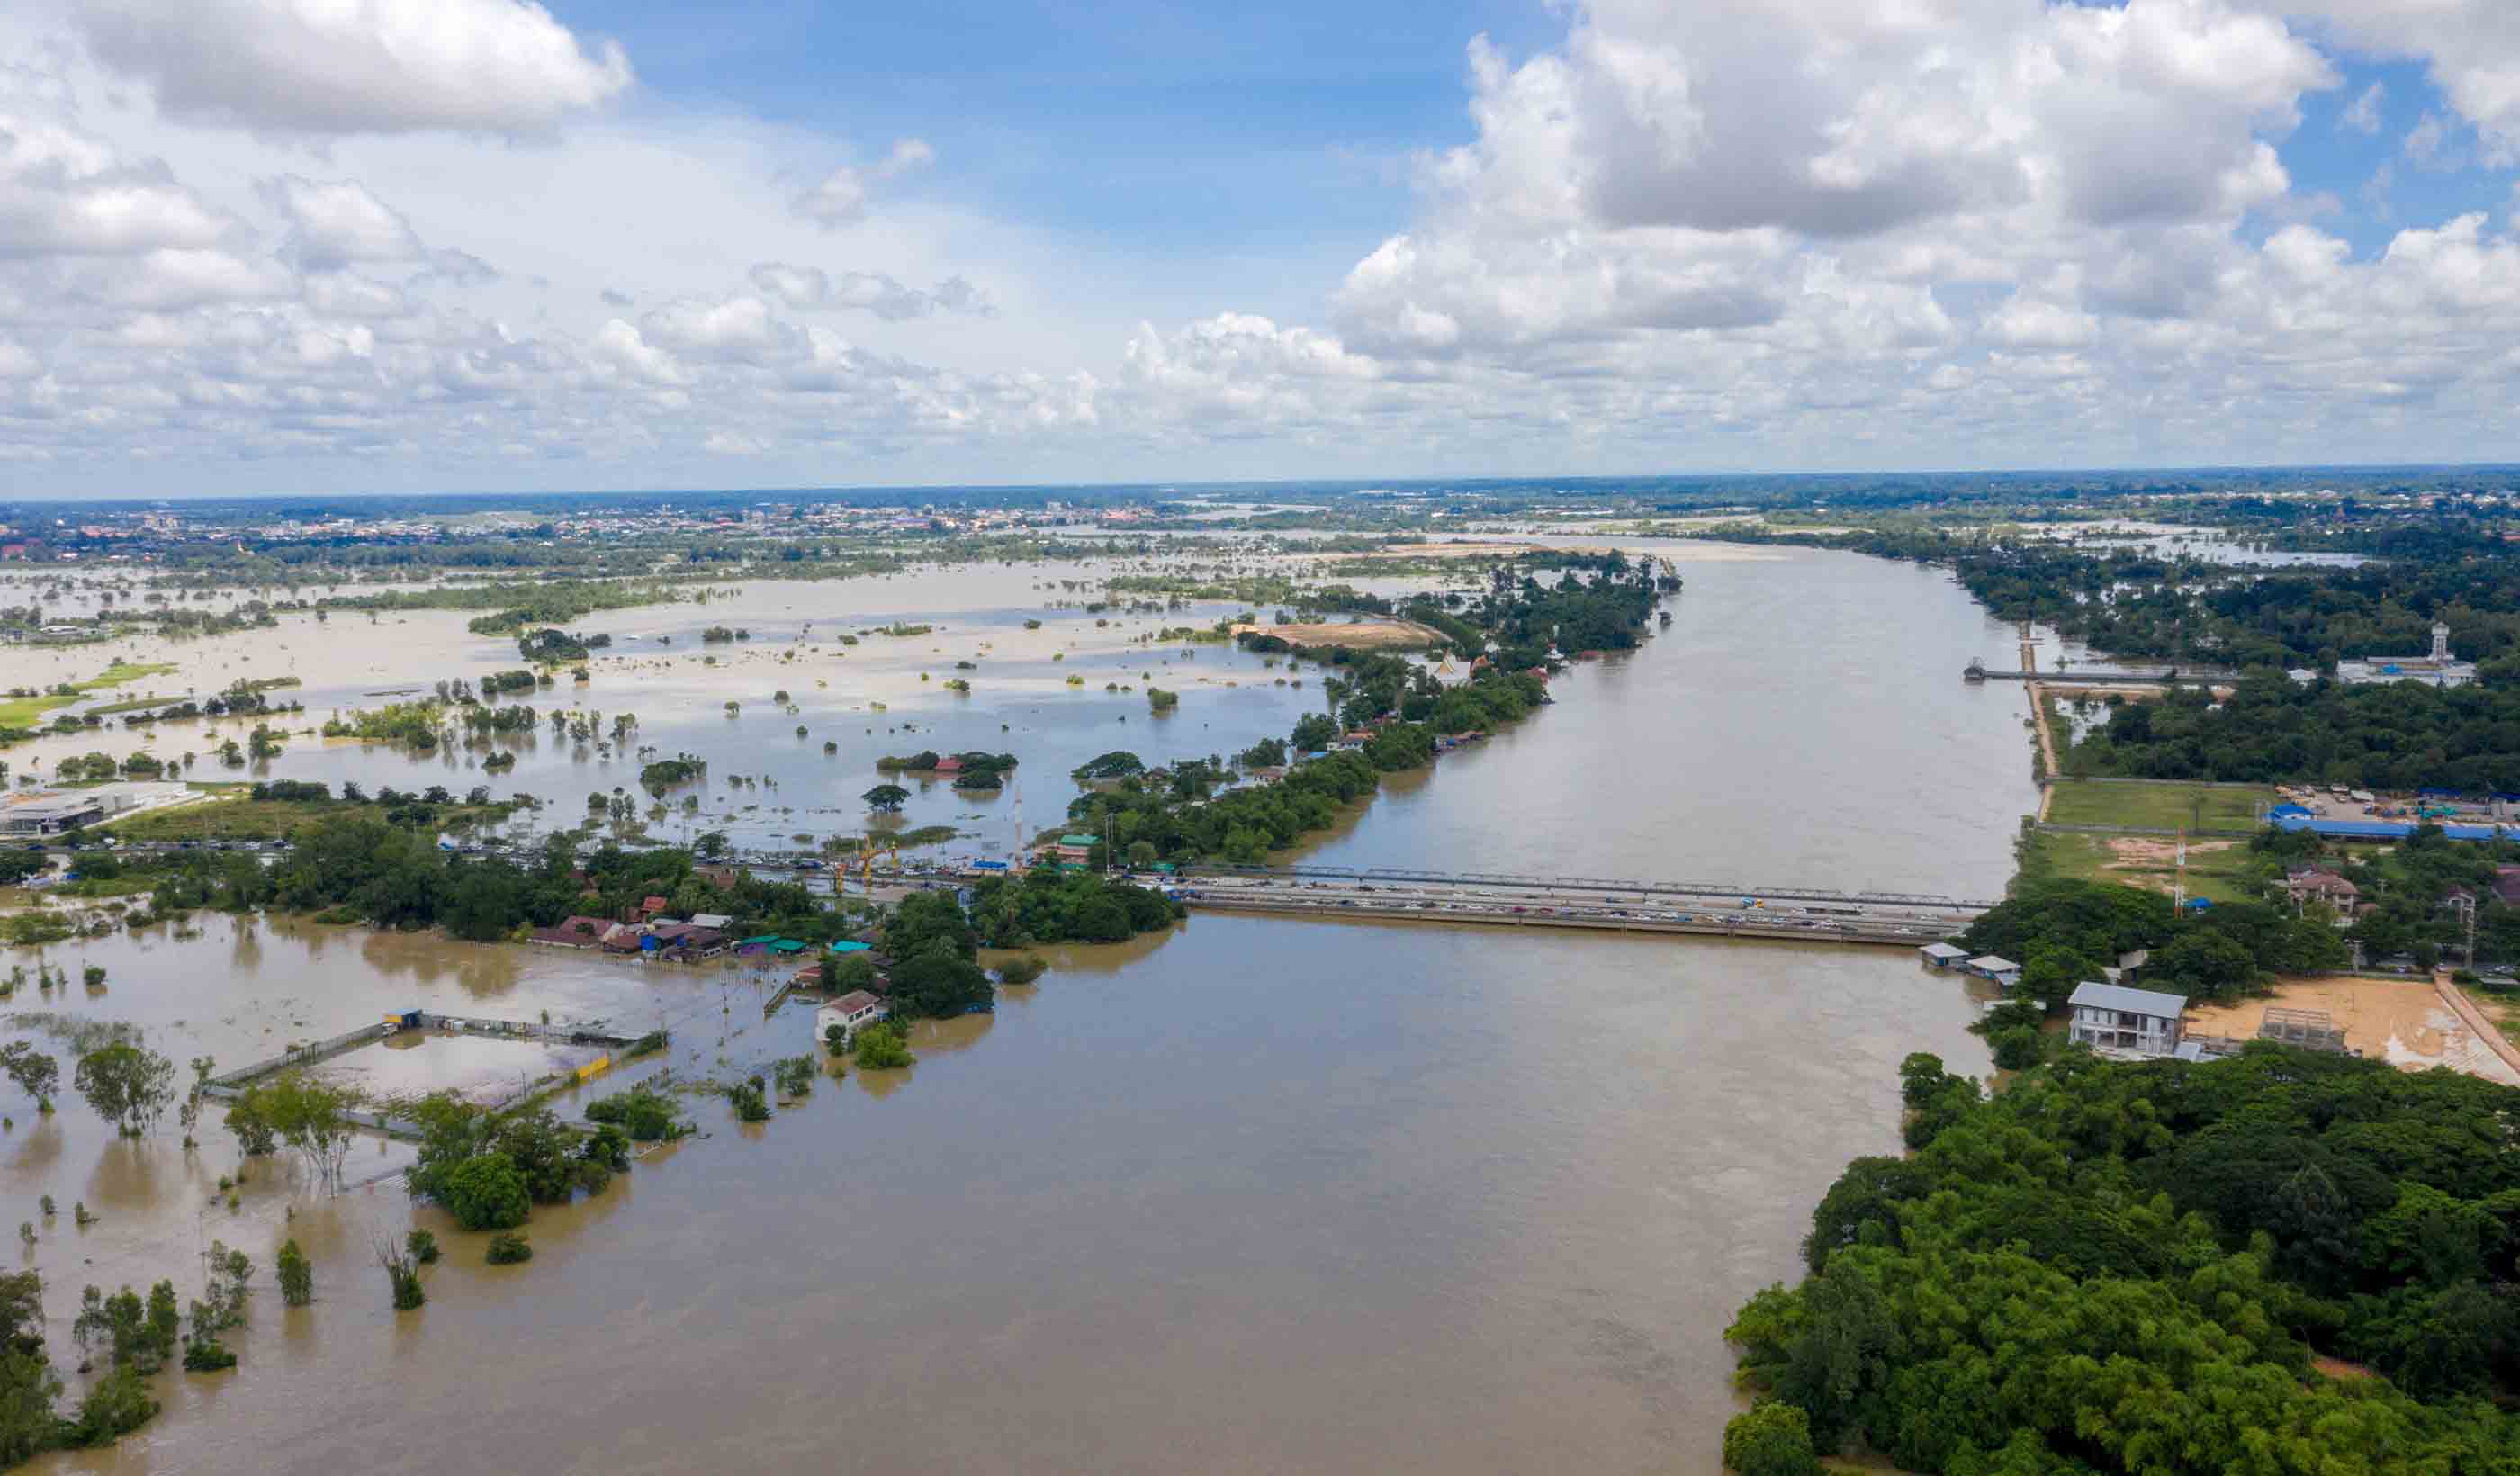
point(1581, 907)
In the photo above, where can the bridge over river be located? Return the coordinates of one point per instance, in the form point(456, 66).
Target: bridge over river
point(1600, 904)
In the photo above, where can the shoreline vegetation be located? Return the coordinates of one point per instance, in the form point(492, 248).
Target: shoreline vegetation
point(2154, 1267)
point(2302, 1261)
point(2107, 1266)
point(22, 706)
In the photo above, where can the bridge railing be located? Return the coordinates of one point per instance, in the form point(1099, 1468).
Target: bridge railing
point(1605, 884)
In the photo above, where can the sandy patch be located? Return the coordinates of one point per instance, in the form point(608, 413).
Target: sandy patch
point(1365, 634)
point(2139, 859)
point(2138, 850)
point(2401, 1021)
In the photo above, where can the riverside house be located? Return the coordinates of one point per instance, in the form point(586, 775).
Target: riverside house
point(2116, 1019)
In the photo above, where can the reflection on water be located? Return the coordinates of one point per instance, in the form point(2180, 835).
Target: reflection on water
point(881, 696)
point(1248, 1196)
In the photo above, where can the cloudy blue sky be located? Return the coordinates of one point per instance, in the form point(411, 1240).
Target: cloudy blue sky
point(477, 245)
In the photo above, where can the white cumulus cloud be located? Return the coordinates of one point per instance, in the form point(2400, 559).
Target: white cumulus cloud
point(62, 190)
point(347, 67)
point(841, 197)
point(877, 292)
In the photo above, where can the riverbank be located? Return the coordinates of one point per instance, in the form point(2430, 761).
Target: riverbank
point(1359, 1161)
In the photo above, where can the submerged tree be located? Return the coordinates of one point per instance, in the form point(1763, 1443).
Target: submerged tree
point(254, 1135)
point(310, 1115)
point(29, 1387)
point(130, 1085)
point(36, 1074)
point(402, 1273)
point(189, 1114)
point(297, 1276)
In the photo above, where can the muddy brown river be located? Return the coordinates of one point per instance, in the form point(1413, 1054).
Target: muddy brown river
point(1253, 1195)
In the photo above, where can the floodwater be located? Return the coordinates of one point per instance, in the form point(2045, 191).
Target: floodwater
point(883, 695)
point(1251, 1196)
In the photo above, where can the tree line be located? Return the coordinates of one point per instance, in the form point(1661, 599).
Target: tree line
point(2401, 735)
point(356, 867)
point(2130, 1268)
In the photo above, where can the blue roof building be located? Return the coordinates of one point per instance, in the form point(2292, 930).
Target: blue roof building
point(2385, 829)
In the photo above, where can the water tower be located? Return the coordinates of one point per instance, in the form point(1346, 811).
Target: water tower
point(2441, 644)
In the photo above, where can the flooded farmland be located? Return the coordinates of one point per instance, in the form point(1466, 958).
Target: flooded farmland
point(1252, 1194)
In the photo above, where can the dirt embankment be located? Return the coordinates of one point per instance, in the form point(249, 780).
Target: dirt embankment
point(1367, 635)
point(1480, 550)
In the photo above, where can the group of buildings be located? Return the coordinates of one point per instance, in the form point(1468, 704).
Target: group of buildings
point(651, 935)
point(2435, 668)
point(2115, 1019)
point(51, 812)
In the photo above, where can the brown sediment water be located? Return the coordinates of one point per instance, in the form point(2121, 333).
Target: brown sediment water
point(1249, 1194)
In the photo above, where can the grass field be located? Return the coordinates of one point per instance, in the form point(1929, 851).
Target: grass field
point(236, 816)
point(2218, 871)
point(23, 712)
point(136, 704)
point(2085, 802)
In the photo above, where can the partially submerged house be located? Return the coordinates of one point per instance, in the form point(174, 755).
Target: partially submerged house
point(573, 932)
point(849, 1011)
point(2001, 970)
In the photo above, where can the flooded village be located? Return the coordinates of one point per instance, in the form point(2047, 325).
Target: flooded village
point(1469, 1196)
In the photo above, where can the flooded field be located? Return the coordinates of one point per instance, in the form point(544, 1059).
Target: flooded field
point(1056, 696)
point(1248, 1196)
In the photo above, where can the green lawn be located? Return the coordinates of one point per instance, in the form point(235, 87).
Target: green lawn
point(2227, 873)
point(2167, 806)
point(239, 817)
point(135, 705)
point(24, 712)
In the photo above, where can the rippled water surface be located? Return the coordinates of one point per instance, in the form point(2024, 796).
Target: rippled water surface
point(1254, 1196)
